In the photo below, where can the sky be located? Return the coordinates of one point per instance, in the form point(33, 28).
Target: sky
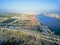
point(29, 6)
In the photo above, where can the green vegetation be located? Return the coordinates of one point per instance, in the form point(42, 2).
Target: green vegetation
point(9, 20)
point(6, 16)
point(1, 20)
point(22, 23)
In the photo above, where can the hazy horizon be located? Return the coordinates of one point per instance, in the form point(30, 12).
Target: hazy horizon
point(29, 6)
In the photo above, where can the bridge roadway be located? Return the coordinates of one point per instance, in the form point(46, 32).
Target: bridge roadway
point(37, 34)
